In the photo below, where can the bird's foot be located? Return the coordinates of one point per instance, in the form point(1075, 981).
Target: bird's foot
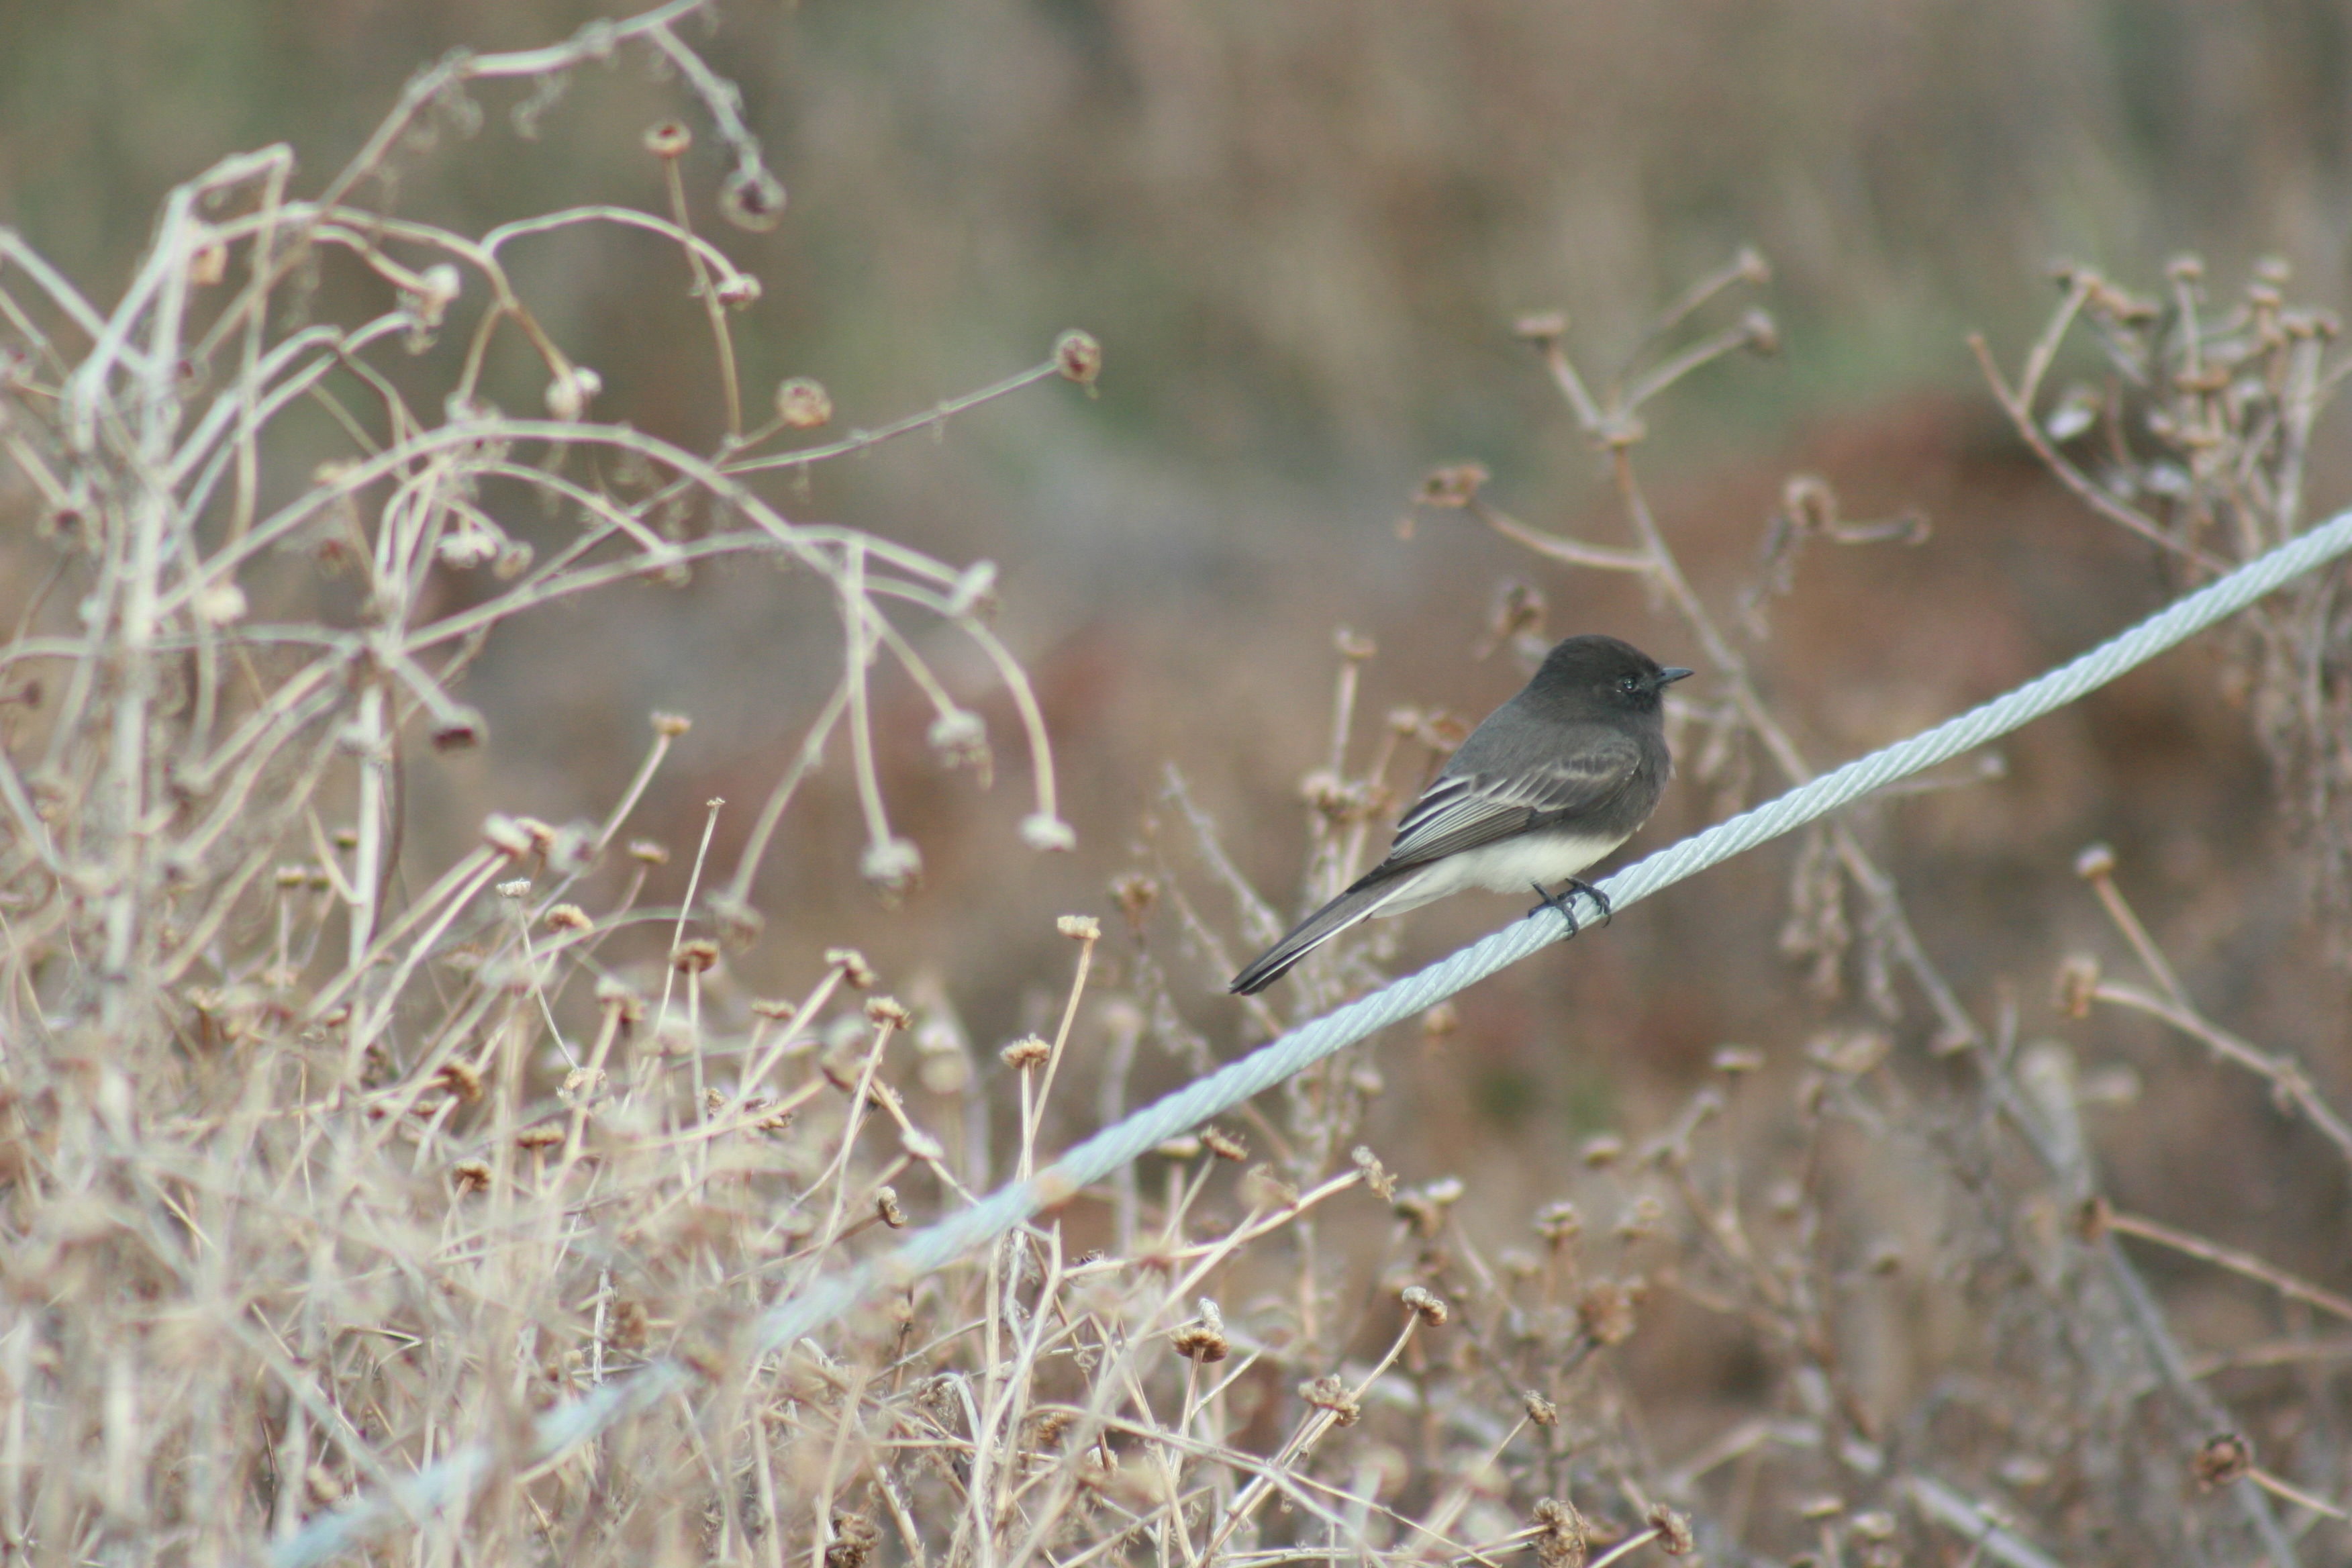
point(1564, 901)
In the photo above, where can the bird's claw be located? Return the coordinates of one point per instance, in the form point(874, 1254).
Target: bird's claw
point(1565, 900)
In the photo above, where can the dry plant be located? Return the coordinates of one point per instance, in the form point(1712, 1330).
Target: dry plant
point(309, 1179)
point(2196, 436)
point(318, 1161)
point(2056, 1415)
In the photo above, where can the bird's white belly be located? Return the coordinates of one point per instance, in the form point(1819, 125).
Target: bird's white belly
point(1514, 865)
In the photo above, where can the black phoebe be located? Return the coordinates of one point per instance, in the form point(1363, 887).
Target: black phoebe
point(1554, 779)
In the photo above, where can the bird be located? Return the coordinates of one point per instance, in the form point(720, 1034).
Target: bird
point(1551, 782)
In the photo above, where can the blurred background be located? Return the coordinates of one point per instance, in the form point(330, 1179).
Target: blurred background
point(1302, 232)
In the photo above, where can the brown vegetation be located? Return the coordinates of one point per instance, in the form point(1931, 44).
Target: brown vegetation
point(1931, 1187)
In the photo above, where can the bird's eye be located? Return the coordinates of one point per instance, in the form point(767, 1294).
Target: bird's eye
point(1630, 685)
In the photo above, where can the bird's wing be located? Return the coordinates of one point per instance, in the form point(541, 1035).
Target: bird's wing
point(1478, 806)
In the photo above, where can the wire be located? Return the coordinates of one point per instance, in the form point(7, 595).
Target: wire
point(443, 1485)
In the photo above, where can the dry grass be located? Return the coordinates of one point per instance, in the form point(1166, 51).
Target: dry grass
point(318, 1164)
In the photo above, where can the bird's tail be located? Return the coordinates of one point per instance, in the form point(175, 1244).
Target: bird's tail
point(1360, 902)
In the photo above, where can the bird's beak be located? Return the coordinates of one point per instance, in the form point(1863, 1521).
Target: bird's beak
point(1670, 674)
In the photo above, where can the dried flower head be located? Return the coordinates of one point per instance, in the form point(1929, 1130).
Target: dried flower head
point(1079, 357)
point(2078, 984)
point(668, 140)
point(1028, 1051)
point(751, 198)
point(1376, 1175)
point(646, 852)
point(886, 1206)
point(2223, 1460)
point(461, 1078)
point(567, 917)
point(2096, 863)
point(855, 1537)
point(1540, 1411)
point(697, 955)
point(1224, 1145)
point(960, 739)
point(505, 835)
point(1673, 1530)
point(570, 394)
point(803, 404)
point(1206, 1340)
point(1559, 1223)
point(889, 1011)
point(1425, 1304)
point(1328, 1392)
point(1541, 326)
point(855, 971)
point(1042, 831)
point(670, 726)
point(1080, 928)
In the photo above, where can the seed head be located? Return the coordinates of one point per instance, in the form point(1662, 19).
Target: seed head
point(1028, 1051)
point(2223, 1460)
point(569, 395)
point(1673, 1530)
point(1542, 327)
point(802, 403)
point(1328, 1392)
point(1425, 1305)
point(1079, 357)
point(1040, 831)
point(2078, 984)
point(752, 199)
point(1204, 1341)
point(1562, 1538)
point(1738, 1060)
